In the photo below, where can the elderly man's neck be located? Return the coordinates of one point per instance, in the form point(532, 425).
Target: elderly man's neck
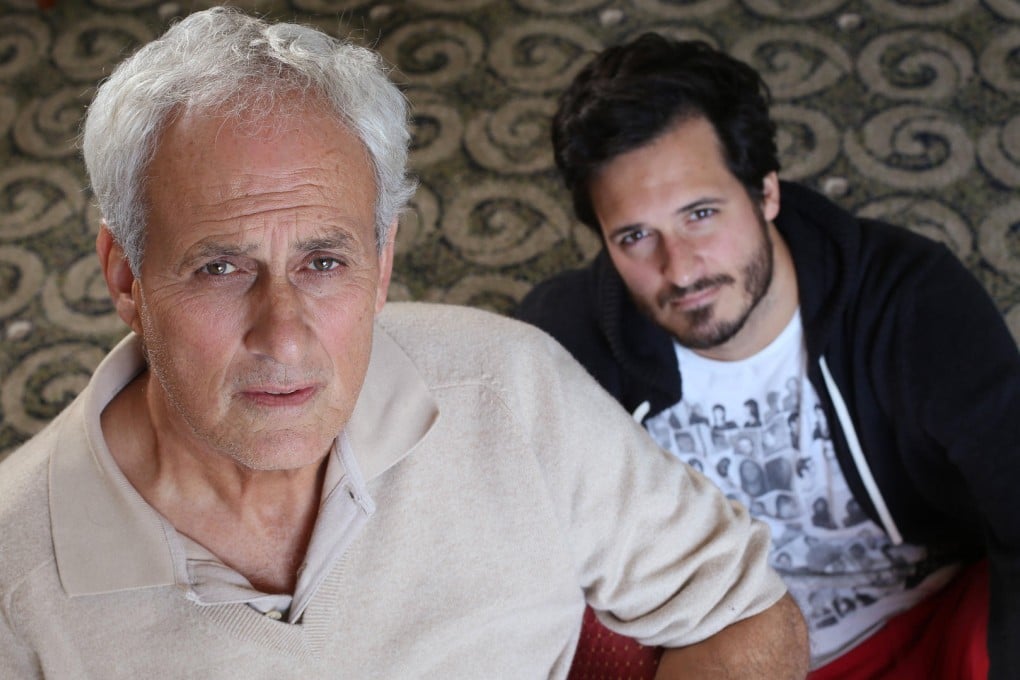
point(258, 522)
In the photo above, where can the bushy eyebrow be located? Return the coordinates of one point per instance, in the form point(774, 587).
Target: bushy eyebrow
point(705, 202)
point(336, 240)
point(214, 249)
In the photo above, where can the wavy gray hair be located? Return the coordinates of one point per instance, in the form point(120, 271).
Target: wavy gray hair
point(223, 57)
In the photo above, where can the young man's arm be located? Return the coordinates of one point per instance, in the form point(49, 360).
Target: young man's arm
point(772, 644)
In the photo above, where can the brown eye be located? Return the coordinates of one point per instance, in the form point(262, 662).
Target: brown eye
point(633, 237)
point(218, 268)
point(324, 264)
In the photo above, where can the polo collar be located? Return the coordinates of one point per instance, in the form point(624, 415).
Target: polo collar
point(395, 409)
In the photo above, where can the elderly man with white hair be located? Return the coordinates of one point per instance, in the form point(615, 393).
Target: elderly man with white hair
point(273, 477)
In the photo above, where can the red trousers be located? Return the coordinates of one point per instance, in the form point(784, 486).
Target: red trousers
point(942, 638)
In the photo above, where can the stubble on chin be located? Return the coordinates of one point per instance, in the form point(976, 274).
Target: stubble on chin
point(700, 329)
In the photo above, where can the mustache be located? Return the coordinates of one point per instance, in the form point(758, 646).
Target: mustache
point(679, 292)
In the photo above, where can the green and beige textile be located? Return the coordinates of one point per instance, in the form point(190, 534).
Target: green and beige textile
point(907, 110)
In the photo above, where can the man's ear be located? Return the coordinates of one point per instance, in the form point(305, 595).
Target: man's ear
point(120, 279)
point(386, 267)
point(770, 196)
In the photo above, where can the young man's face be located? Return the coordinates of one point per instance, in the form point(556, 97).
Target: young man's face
point(259, 285)
point(695, 251)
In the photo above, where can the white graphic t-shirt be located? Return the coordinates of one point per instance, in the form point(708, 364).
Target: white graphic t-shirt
point(756, 428)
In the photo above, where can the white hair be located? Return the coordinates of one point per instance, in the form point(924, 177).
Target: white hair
point(223, 58)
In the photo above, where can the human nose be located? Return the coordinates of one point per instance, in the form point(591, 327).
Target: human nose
point(682, 264)
point(278, 328)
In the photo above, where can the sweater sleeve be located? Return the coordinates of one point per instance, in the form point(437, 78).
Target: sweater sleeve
point(962, 377)
point(16, 659)
point(661, 555)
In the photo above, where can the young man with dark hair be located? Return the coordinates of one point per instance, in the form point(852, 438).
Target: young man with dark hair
point(719, 284)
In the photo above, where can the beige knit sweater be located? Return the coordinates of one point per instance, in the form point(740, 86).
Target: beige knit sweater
point(509, 489)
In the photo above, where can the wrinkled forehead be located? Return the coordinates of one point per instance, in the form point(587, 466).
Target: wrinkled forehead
point(220, 173)
point(197, 134)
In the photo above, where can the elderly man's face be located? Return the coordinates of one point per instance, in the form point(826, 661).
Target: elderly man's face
point(259, 285)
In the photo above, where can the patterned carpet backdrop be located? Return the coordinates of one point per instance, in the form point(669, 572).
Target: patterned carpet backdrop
point(901, 109)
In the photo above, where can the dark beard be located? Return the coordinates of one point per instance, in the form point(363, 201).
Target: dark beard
point(702, 332)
